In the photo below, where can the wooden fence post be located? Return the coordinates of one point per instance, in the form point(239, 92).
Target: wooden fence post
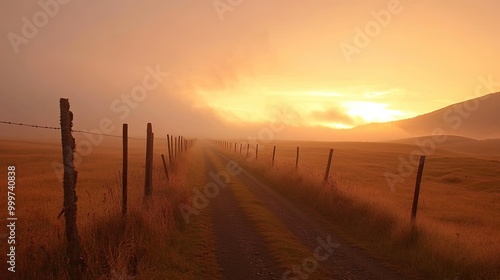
point(169, 150)
point(125, 169)
point(241, 146)
point(172, 147)
point(274, 153)
point(149, 162)
point(417, 188)
point(75, 261)
point(256, 151)
point(235, 148)
point(165, 165)
point(248, 148)
point(179, 143)
point(327, 173)
point(176, 153)
point(297, 160)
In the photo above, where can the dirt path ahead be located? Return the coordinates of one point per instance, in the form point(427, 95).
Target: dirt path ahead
point(243, 253)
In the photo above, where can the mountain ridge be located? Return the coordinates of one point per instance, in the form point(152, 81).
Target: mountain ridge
point(477, 118)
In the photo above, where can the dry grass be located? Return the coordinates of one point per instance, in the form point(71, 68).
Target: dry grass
point(141, 245)
point(458, 227)
point(456, 233)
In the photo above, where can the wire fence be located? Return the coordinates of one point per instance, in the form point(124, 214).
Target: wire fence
point(73, 130)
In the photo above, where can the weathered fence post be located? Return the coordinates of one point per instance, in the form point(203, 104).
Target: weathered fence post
point(327, 173)
point(75, 261)
point(172, 147)
point(125, 169)
point(179, 144)
point(176, 153)
point(241, 146)
point(417, 188)
point(274, 153)
point(149, 162)
point(248, 148)
point(165, 165)
point(297, 160)
point(169, 150)
point(256, 151)
point(235, 148)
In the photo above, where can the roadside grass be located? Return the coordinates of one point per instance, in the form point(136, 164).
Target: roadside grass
point(285, 248)
point(193, 245)
point(464, 248)
point(149, 243)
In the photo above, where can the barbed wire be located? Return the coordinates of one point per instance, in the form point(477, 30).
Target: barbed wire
point(73, 130)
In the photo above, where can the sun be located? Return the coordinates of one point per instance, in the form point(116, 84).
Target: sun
point(370, 112)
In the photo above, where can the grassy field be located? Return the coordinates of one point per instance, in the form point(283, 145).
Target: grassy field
point(458, 226)
point(114, 247)
point(456, 234)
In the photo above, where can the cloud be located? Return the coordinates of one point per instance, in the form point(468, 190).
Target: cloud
point(334, 115)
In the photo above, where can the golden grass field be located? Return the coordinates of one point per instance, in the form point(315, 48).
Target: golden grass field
point(458, 224)
point(456, 233)
point(113, 249)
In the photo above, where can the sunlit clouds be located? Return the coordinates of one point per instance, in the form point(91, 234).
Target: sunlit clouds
point(331, 109)
point(232, 74)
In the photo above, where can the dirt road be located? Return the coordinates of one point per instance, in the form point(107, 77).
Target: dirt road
point(245, 246)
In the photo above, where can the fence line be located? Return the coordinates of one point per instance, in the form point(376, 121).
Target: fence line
point(228, 146)
point(72, 130)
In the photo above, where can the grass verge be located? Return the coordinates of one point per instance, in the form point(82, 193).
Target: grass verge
point(432, 250)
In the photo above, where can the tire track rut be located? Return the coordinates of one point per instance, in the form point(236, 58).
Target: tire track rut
point(241, 252)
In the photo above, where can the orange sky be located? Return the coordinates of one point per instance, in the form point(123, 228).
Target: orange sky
point(231, 67)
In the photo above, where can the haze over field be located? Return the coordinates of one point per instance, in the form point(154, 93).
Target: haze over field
point(324, 139)
point(233, 64)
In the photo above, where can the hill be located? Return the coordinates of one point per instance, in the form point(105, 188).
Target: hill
point(476, 118)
